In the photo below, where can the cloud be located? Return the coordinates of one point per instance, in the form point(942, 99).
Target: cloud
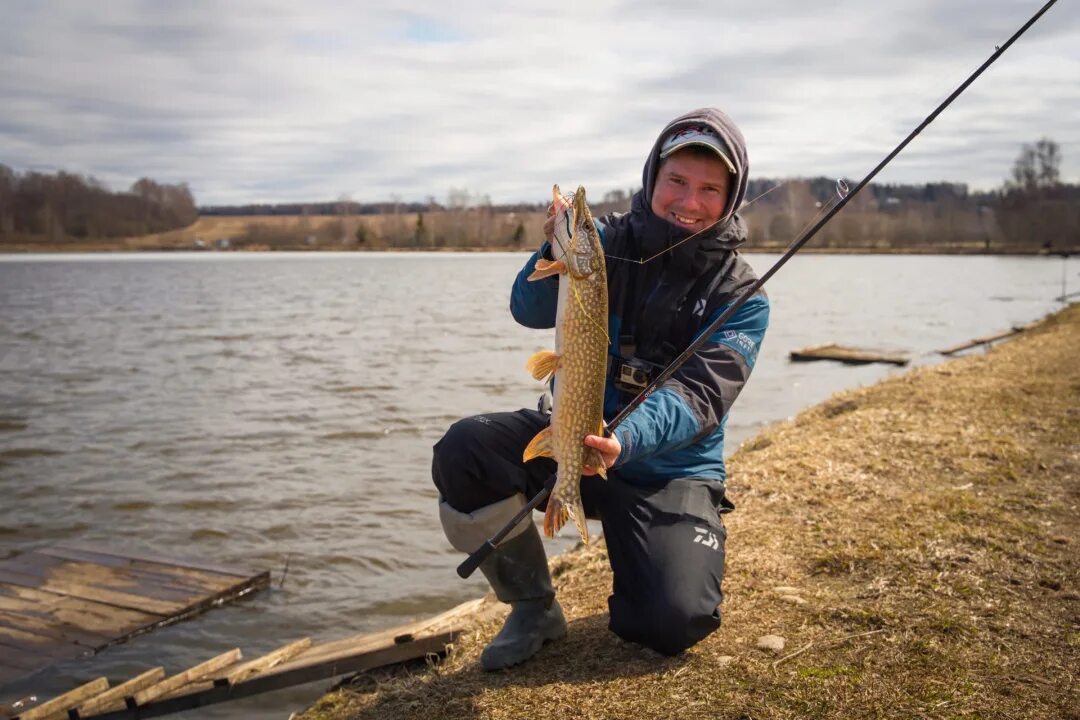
point(274, 101)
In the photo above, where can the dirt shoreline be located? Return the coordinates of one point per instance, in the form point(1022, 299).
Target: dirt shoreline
point(915, 543)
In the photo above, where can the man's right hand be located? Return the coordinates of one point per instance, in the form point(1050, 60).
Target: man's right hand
point(549, 225)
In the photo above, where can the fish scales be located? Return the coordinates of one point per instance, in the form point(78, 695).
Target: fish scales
point(579, 362)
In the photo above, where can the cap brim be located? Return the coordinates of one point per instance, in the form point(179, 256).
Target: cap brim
point(679, 146)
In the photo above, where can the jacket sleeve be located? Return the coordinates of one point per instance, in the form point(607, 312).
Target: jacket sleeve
point(533, 303)
point(693, 403)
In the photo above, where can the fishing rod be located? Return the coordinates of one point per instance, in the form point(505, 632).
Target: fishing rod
point(473, 561)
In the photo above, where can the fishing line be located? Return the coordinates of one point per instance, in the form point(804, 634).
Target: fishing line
point(742, 208)
point(577, 293)
point(594, 321)
point(774, 187)
point(842, 192)
point(466, 568)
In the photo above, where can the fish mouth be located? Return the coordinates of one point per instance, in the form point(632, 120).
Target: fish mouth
point(580, 207)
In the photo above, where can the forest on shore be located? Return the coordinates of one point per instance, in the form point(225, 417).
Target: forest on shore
point(1032, 212)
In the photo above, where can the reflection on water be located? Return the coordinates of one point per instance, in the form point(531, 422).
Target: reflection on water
point(259, 410)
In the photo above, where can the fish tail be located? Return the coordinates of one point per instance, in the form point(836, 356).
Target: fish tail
point(577, 511)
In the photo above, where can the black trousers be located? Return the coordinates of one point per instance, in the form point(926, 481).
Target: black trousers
point(665, 543)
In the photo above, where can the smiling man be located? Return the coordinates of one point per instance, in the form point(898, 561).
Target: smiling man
point(692, 188)
point(673, 266)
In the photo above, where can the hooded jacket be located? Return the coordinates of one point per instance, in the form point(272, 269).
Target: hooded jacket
point(657, 308)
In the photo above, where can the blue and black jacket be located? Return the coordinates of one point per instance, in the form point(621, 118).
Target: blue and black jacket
point(655, 310)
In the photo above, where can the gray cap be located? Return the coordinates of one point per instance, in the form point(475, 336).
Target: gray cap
point(696, 135)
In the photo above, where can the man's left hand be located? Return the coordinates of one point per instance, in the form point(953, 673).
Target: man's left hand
point(609, 448)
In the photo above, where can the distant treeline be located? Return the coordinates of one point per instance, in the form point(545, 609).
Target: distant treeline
point(945, 216)
point(1033, 211)
point(1020, 218)
point(63, 206)
point(350, 207)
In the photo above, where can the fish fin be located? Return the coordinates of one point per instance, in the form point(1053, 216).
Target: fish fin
point(540, 446)
point(555, 517)
point(542, 364)
point(593, 459)
point(578, 513)
point(547, 268)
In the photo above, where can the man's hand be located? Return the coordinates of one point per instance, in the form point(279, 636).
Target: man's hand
point(549, 225)
point(609, 448)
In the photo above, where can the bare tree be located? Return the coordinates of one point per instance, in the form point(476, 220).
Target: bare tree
point(1038, 166)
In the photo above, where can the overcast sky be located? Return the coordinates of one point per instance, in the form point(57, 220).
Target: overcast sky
point(277, 101)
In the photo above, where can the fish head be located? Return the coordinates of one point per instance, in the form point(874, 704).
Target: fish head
point(563, 206)
point(585, 255)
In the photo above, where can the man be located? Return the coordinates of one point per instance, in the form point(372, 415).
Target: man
point(661, 505)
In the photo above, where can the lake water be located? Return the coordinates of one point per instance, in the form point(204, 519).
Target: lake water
point(270, 409)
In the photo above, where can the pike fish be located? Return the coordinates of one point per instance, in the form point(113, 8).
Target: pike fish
point(579, 361)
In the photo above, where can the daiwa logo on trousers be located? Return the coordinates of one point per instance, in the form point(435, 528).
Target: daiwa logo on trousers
point(706, 538)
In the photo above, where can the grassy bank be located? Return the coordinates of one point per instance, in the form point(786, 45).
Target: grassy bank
point(914, 543)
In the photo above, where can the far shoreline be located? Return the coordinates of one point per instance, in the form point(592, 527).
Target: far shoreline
point(22, 249)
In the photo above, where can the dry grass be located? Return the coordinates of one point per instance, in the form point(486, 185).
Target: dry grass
point(930, 525)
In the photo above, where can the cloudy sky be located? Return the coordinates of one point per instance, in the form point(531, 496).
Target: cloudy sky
point(276, 101)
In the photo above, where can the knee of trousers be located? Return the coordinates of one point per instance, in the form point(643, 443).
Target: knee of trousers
point(455, 463)
point(667, 625)
point(468, 531)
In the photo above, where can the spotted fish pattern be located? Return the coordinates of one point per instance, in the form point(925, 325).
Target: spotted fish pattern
point(579, 361)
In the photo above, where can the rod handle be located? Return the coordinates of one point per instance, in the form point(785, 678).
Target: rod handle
point(472, 562)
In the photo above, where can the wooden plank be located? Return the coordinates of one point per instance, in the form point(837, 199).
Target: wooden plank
point(57, 603)
point(58, 633)
point(159, 559)
point(267, 661)
point(381, 656)
point(66, 701)
point(242, 671)
point(170, 684)
point(981, 341)
point(451, 619)
point(176, 575)
point(279, 678)
point(126, 580)
point(405, 642)
point(848, 355)
point(352, 646)
point(66, 610)
point(96, 594)
point(113, 699)
point(33, 643)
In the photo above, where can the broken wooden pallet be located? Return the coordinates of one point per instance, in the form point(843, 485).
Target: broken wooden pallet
point(64, 601)
point(849, 355)
point(226, 677)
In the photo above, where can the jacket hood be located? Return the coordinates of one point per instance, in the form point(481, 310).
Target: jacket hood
point(727, 131)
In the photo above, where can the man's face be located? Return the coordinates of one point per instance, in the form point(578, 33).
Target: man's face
point(691, 190)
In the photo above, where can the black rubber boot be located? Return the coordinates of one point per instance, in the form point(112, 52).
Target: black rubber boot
point(518, 573)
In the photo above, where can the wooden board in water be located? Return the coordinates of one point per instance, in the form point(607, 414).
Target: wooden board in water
point(849, 355)
point(63, 601)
